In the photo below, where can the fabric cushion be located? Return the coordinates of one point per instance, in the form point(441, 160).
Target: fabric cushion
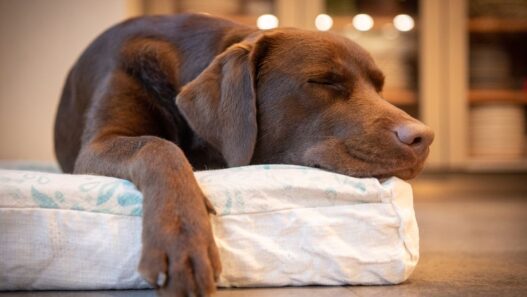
point(276, 225)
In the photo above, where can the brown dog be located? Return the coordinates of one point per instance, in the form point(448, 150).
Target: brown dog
point(153, 98)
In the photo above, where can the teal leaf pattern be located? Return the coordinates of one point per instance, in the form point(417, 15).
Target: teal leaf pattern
point(249, 189)
point(228, 202)
point(86, 193)
point(138, 211)
point(42, 199)
point(86, 187)
point(59, 196)
point(130, 198)
point(106, 192)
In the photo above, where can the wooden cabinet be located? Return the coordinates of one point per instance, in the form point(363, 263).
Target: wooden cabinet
point(478, 104)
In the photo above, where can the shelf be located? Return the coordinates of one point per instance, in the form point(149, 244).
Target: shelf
point(400, 96)
point(497, 165)
point(497, 95)
point(491, 25)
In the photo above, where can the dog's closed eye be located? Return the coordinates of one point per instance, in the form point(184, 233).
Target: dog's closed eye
point(331, 80)
point(322, 81)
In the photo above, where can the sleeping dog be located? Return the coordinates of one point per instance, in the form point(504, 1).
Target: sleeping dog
point(154, 98)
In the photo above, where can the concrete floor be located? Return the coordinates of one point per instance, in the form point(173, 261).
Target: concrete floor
point(473, 232)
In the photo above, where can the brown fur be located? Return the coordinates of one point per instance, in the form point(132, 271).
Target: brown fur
point(153, 98)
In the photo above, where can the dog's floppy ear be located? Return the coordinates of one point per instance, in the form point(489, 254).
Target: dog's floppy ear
point(220, 104)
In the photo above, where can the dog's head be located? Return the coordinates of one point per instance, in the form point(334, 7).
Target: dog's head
point(307, 98)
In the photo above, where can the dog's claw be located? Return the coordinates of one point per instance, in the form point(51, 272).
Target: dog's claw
point(210, 207)
point(161, 279)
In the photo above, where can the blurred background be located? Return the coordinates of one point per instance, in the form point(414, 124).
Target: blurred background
point(458, 65)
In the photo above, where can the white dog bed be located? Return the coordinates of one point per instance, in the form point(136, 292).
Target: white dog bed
point(276, 225)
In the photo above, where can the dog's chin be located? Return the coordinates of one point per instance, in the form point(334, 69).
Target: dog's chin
point(405, 170)
point(340, 160)
point(412, 171)
point(406, 174)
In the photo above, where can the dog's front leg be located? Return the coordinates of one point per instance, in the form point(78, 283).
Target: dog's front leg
point(179, 256)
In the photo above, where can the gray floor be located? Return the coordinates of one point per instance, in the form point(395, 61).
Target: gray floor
point(473, 243)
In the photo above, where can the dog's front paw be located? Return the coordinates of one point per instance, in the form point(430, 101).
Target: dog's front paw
point(181, 259)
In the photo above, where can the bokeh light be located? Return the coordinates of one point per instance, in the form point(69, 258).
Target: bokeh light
point(403, 22)
point(267, 21)
point(323, 22)
point(362, 22)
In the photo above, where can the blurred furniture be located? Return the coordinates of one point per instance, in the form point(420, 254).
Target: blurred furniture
point(478, 104)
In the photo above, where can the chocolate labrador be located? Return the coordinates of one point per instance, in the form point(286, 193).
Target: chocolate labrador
point(154, 98)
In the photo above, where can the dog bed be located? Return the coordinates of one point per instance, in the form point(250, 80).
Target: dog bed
point(277, 225)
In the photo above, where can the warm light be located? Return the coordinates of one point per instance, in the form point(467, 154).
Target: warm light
point(362, 22)
point(323, 22)
point(267, 21)
point(403, 22)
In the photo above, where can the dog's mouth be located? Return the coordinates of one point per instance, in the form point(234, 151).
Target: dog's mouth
point(364, 164)
point(407, 170)
point(404, 173)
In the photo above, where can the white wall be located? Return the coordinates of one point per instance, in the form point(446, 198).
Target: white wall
point(39, 41)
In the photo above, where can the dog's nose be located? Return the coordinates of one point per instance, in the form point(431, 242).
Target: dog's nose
point(416, 135)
